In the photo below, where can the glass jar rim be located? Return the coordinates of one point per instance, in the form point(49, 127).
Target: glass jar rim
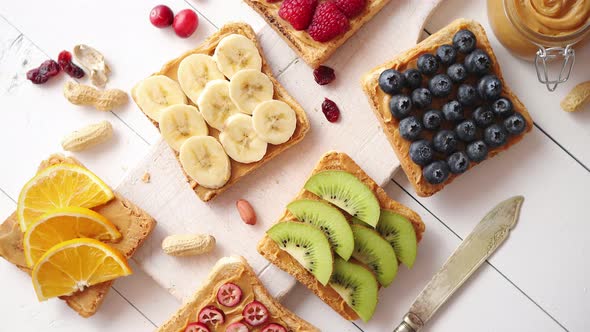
point(540, 38)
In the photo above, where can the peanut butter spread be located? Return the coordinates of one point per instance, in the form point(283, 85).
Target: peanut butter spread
point(554, 17)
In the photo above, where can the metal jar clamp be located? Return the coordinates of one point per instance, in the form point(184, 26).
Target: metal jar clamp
point(547, 55)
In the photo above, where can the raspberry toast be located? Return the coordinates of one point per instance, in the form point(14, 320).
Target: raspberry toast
point(480, 117)
point(134, 225)
point(331, 29)
point(230, 291)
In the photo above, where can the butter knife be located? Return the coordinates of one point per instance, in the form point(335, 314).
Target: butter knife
point(491, 231)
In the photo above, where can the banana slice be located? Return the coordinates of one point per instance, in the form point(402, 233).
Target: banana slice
point(215, 104)
point(194, 72)
point(248, 88)
point(157, 92)
point(205, 161)
point(274, 121)
point(236, 52)
point(181, 122)
point(240, 141)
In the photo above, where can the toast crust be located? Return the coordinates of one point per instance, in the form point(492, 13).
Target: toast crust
point(226, 270)
point(379, 100)
point(134, 224)
point(238, 170)
point(271, 251)
point(312, 52)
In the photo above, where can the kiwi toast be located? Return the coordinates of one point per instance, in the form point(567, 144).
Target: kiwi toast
point(134, 225)
point(230, 290)
point(454, 71)
point(238, 169)
point(343, 237)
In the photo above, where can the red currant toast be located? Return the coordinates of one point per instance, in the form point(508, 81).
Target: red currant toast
point(234, 299)
point(133, 224)
point(343, 237)
point(445, 107)
point(315, 29)
point(221, 110)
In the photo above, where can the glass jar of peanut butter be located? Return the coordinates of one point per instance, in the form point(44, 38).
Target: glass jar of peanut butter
point(543, 31)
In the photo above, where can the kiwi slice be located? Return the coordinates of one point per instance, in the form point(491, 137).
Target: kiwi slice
point(347, 192)
point(400, 233)
point(357, 286)
point(372, 250)
point(329, 220)
point(308, 245)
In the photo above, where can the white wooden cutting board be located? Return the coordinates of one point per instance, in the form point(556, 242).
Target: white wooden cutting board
point(170, 200)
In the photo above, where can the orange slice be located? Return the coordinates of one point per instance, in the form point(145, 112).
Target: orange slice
point(63, 224)
point(57, 186)
point(73, 265)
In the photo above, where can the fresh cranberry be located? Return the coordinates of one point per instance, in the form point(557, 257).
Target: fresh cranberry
point(211, 315)
point(272, 327)
point(65, 62)
point(328, 22)
point(185, 23)
point(330, 110)
point(196, 327)
point(255, 313)
point(237, 327)
point(229, 295)
point(161, 16)
point(324, 75)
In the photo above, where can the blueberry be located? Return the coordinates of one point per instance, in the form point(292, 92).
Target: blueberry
point(458, 162)
point(478, 62)
point(421, 97)
point(467, 95)
point(445, 141)
point(421, 152)
point(410, 128)
point(427, 64)
point(446, 54)
point(457, 72)
point(440, 85)
point(483, 116)
point(437, 172)
point(391, 81)
point(515, 124)
point(466, 130)
point(495, 135)
point(413, 78)
point(400, 106)
point(489, 87)
point(432, 119)
point(502, 108)
point(477, 151)
point(453, 111)
point(464, 41)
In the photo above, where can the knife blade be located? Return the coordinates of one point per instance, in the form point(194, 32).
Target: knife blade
point(485, 238)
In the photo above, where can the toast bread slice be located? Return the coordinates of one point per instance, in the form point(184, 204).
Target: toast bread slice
point(271, 251)
point(238, 170)
point(379, 100)
point(226, 270)
point(134, 224)
point(312, 52)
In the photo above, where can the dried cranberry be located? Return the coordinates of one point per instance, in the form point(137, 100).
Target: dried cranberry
point(64, 58)
point(65, 61)
point(324, 75)
point(330, 110)
point(34, 76)
point(44, 72)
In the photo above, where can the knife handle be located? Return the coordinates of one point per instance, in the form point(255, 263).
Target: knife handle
point(411, 323)
point(404, 327)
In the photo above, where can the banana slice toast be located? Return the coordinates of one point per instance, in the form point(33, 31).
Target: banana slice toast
point(234, 299)
point(134, 225)
point(221, 110)
point(343, 237)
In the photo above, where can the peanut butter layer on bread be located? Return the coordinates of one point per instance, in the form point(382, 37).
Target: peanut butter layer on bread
point(238, 170)
point(234, 269)
point(312, 52)
point(380, 101)
point(134, 224)
point(271, 251)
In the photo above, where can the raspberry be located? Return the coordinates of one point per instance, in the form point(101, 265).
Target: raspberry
point(327, 22)
point(330, 110)
point(351, 8)
point(272, 1)
point(65, 61)
point(323, 75)
point(298, 12)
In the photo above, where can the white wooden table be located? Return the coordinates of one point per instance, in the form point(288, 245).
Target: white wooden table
point(538, 281)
